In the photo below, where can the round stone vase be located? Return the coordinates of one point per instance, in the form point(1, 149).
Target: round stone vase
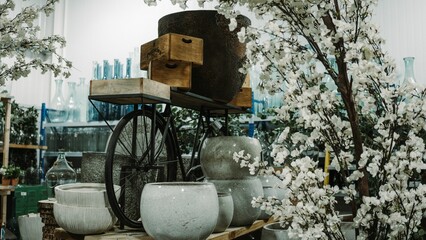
point(179, 210)
point(226, 211)
point(216, 157)
point(242, 191)
point(218, 78)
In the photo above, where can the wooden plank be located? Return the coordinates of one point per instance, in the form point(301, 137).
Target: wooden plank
point(177, 74)
point(115, 234)
point(243, 98)
point(126, 91)
point(172, 47)
point(27, 146)
point(234, 232)
point(128, 234)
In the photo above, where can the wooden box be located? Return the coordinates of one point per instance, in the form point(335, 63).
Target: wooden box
point(178, 74)
point(132, 90)
point(172, 47)
point(243, 97)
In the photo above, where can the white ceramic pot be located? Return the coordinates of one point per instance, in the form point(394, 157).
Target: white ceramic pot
point(267, 192)
point(216, 157)
point(274, 231)
point(30, 226)
point(226, 211)
point(179, 210)
point(83, 194)
point(242, 191)
point(83, 220)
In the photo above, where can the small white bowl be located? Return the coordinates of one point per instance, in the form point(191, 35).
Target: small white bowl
point(83, 194)
point(84, 220)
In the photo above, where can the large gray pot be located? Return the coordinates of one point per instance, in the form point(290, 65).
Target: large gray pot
point(179, 210)
point(218, 78)
point(216, 156)
point(242, 191)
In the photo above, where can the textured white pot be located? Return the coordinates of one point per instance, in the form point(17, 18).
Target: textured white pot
point(242, 191)
point(179, 210)
point(83, 194)
point(216, 157)
point(30, 226)
point(226, 211)
point(83, 220)
point(274, 231)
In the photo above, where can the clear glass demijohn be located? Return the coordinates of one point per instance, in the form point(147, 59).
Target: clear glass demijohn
point(57, 110)
point(60, 173)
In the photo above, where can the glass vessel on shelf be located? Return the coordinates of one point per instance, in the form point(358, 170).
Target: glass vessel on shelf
point(73, 108)
point(409, 71)
point(60, 173)
point(57, 111)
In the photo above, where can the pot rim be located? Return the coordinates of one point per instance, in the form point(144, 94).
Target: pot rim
point(223, 194)
point(179, 184)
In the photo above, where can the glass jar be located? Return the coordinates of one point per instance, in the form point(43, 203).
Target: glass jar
point(57, 111)
point(60, 173)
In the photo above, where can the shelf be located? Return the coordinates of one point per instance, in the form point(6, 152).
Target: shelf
point(67, 154)
point(81, 124)
point(8, 188)
point(230, 233)
point(24, 146)
point(130, 91)
point(198, 102)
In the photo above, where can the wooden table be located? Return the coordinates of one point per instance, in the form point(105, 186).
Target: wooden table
point(117, 234)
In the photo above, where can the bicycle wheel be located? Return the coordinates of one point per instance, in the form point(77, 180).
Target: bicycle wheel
point(134, 158)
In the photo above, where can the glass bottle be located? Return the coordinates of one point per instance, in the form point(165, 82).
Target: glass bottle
point(128, 67)
point(82, 94)
point(57, 112)
point(73, 110)
point(409, 71)
point(60, 173)
point(329, 82)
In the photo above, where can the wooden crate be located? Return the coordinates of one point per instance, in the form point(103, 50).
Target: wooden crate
point(177, 74)
point(127, 91)
point(244, 97)
point(172, 47)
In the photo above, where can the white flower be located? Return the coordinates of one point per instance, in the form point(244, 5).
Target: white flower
point(232, 24)
point(375, 130)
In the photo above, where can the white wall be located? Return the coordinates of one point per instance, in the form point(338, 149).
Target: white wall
point(108, 29)
point(403, 25)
